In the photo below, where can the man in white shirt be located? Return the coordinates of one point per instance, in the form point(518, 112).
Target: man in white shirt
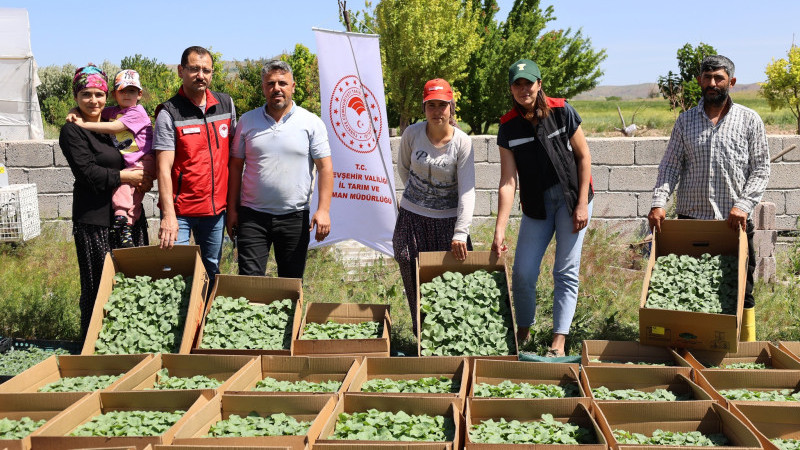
point(718, 151)
point(271, 179)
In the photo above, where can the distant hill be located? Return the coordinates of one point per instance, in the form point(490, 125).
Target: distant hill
point(644, 90)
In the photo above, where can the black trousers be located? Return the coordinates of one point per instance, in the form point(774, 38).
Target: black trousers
point(92, 242)
point(750, 230)
point(287, 233)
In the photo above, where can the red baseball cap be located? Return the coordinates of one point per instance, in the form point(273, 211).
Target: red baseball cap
point(437, 89)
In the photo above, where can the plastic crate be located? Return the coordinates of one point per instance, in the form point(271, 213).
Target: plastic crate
point(5, 344)
point(74, 347)
point(19, 213)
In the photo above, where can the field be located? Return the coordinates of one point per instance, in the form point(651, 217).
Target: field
point(40, 289)
point(654, 118)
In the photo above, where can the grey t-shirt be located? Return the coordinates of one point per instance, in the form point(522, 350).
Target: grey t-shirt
point(440, 182)
point(279, 158)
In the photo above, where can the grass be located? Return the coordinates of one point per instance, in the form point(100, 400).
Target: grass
point(39, 295)
point(654, 118)
point(40, 288)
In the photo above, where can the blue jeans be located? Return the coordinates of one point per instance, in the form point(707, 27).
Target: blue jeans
point(534, 237)
point(208, 233)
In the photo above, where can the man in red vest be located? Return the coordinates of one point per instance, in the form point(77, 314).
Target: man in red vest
point(192, 136)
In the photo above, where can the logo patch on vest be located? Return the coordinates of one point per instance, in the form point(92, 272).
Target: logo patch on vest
point(223, 130)
point(191, 131)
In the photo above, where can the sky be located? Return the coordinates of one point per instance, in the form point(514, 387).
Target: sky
point(641, 40)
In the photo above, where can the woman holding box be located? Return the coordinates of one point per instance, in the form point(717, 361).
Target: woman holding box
point(542, 144)
point(436, 165)
point(97, 166)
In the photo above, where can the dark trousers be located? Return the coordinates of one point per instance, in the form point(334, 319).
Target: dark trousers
point(287, 233)
point(413, 234)
point(750, 230)
point(92, 242)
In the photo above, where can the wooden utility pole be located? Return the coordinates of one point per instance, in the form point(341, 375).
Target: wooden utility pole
point(345, 14)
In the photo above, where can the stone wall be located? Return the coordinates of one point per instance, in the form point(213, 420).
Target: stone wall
point(623, 170)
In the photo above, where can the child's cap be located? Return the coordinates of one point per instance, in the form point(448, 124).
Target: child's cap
point(125, 78)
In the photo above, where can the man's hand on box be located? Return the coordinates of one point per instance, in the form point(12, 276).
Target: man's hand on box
point(656, 216)
point(737, 218)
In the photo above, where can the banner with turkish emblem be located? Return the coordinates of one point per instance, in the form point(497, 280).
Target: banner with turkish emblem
point(363, 207)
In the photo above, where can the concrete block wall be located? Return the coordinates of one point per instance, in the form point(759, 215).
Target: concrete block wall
point(623, 171)
point(764, 241)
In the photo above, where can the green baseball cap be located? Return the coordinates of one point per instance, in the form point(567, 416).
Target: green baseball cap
point(524, 68)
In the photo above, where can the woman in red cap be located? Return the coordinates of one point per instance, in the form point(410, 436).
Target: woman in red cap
point(542, 144)
point(436, 165)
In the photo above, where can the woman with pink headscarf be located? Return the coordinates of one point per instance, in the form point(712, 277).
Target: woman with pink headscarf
point(97, 166)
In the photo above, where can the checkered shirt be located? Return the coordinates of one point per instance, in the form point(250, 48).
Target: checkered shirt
point(719, 166)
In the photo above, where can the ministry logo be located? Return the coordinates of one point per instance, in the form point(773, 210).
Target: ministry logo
point(355, 115)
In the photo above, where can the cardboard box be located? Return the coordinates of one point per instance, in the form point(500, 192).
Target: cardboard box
point(296, 368)
point(57, 367)
point(714, 381)
point(791, 348)
point(706, 417)
point(432, 406)
point(669, 328)
point(257, 290)
point(432, 264)
point(677, 380)
point(231, 370)
point(494, 372)
point(770, 421)
point(749, 352)
point(158, 264)
point(313, 408)
point(457, 369)
point(382, 445)
point(627, 353)
point(36, 406)
point(575, 411)
point(344, 313)
point(129, 447)
point(54, 435)
point(220, 447)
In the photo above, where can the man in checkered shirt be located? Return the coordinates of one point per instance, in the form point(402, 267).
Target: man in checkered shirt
point(718, 151)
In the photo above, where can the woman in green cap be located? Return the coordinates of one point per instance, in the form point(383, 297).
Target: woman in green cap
point(542, 144)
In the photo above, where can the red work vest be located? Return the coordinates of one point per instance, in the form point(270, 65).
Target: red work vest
point(202, 148)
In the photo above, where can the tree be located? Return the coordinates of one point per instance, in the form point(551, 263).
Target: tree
point(306, 77)
point(244, 86)
point(782, 88)
point(55, 92)
point(159, 81)
point(219, 75)
point(243, 82)
point(483, 96)
point(420, 40)
point(569, 63)
point(682, 90)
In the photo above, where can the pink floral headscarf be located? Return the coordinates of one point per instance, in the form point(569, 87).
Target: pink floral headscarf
point(89, 77)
